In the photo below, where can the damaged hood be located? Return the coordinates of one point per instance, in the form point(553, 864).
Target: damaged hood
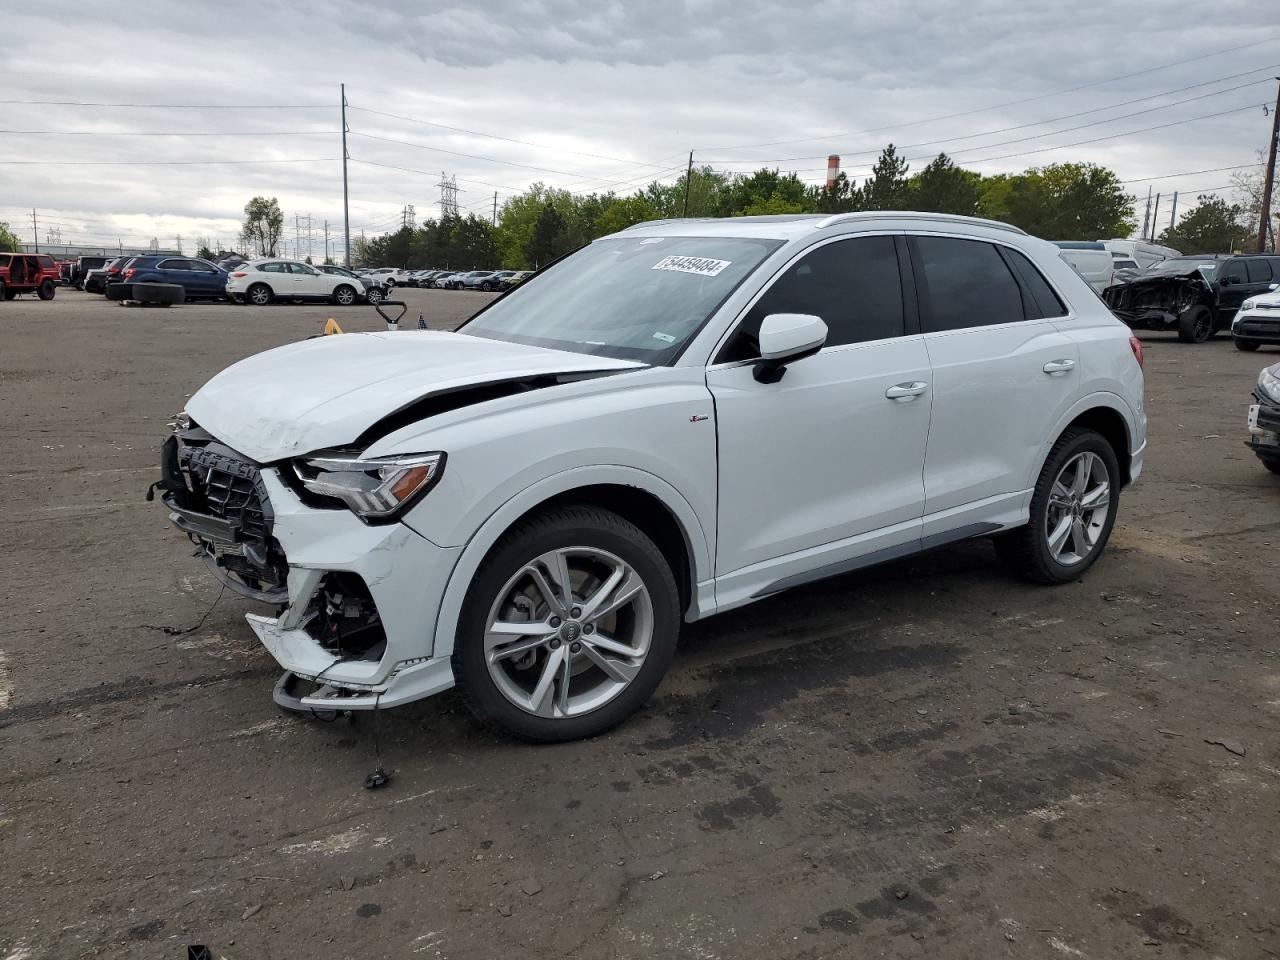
point(1164, 285)
point(326, 391)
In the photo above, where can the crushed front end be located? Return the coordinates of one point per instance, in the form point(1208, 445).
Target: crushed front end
point(355, 603)
point(1156, 303)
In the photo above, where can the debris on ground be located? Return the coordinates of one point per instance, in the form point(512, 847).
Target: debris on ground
point(1235, 746)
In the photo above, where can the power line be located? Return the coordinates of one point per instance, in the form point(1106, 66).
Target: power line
point(999, 106)
point(168, 133)
point(156, 163)
point(1192, 173)
point(173, 106)
point(1036, 123)
point(494, 136)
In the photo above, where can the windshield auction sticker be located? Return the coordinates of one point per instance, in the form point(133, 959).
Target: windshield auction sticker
point(703, 266)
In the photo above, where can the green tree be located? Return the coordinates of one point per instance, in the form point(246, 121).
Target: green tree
point(8, 239)
point(887, 187)
point(622, 213)
point(942, 187)
point(1069, 201)
point(549, 239)
point(1212, 226)
point(204, 253)
point(840, 197)
point(471, 243)
point(263, 222)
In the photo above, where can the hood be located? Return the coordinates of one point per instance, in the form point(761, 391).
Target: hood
point(327, 391)
point(1169, 284)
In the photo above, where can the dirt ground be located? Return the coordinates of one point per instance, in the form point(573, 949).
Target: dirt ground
point(928, 759)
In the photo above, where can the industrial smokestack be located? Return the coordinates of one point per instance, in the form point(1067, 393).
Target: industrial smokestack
point(833, 170)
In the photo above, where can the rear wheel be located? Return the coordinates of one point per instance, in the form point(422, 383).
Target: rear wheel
point(373, 295)
point(1195, 325)
point(487, 287)
point(259, 295)
point(344, 296)
point(1272, 465)
point(46, 290)
point(1248, 346)
point(1073, 510)
point(568, 626)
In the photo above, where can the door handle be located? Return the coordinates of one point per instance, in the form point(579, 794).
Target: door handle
point(906, 392)
point(1055, 367)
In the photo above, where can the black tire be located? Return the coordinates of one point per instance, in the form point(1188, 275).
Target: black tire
point(559, 528)
point(79, 284)
point(1195, 325)
point(1248, 346)
point(1272, 464)
point(1025, 551)
point(487, 287)
point(46, 290)
point(3, 292)
point(259, 295)
point(118, 291)
point(373, 295)
point(9, 294)
point(164, 294)
point(391, 282)
point(344, 295)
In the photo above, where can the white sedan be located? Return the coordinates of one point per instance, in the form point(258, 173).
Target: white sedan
point(260, 282)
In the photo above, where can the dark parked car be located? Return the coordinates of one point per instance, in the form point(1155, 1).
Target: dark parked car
point(199, 279)
point(82, 267)
point(95, 281)
point(1264, 419)
point(374, 292)
point(1195, 295)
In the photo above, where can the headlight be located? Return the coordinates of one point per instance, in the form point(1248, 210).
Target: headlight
point(1269, 384)
point(1248, 305)
point(375, 489)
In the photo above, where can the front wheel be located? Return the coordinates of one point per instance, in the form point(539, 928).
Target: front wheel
point(1248, 346)
point(1073, 510)
point(1195, 325)
point(46, 290)
point(568, 626)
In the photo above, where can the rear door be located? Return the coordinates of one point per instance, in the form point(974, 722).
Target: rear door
point(825, 465)
point(1003, 375)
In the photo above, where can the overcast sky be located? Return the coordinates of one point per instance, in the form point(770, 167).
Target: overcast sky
point(607, 95)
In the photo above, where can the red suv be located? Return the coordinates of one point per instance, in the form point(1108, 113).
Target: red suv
point(28, 273)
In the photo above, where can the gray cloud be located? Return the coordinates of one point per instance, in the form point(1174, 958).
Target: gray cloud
point(640, 82)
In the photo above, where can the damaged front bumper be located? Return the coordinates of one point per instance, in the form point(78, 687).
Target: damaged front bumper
point(356, 604)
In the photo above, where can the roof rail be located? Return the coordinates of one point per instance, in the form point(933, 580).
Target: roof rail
point(917, 215)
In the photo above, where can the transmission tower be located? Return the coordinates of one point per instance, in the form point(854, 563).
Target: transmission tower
point(408, 216)
point(448, 195)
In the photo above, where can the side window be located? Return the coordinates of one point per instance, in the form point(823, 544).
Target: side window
point(1041, 300)
point(965, 284)
point(173, 263)
point(1235, 269)
point(301, 268)
point(853, 285)
point(272, 268)
point(1259, 270)
point(47, 262)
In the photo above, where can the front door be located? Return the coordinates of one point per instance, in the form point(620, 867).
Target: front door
point(823, 468)
point(308, 281)
point(1003, 375)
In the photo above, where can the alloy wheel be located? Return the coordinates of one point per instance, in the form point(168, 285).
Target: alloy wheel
point(568, 632)
point(1077, 512)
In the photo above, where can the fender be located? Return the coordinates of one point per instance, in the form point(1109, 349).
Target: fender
point(1094, 400)
point(500, 521)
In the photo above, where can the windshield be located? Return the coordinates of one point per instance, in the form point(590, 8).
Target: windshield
point(1179, 266)
point(638, 298)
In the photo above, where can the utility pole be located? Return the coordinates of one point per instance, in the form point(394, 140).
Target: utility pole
point(688, 177)
point(1265, 219)
point(346, 211)
point(495, 208)
point(1155, 215)
point(297, 236)
point(1173, 214)
point(326, 241)
point(1146, 217)
point(35, 229)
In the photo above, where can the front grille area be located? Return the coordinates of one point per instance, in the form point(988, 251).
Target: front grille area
point(230, 488)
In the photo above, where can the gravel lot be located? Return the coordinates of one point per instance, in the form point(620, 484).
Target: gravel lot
point(923, 760)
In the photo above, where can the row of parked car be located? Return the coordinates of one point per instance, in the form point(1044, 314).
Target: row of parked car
point(172, 279)
point(485, 280)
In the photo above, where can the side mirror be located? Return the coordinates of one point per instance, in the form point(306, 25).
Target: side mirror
point(785, 338)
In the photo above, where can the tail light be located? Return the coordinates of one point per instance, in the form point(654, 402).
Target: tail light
point(113, 270)
point(239, 273)
point(1136, 346)
point(128, 274)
